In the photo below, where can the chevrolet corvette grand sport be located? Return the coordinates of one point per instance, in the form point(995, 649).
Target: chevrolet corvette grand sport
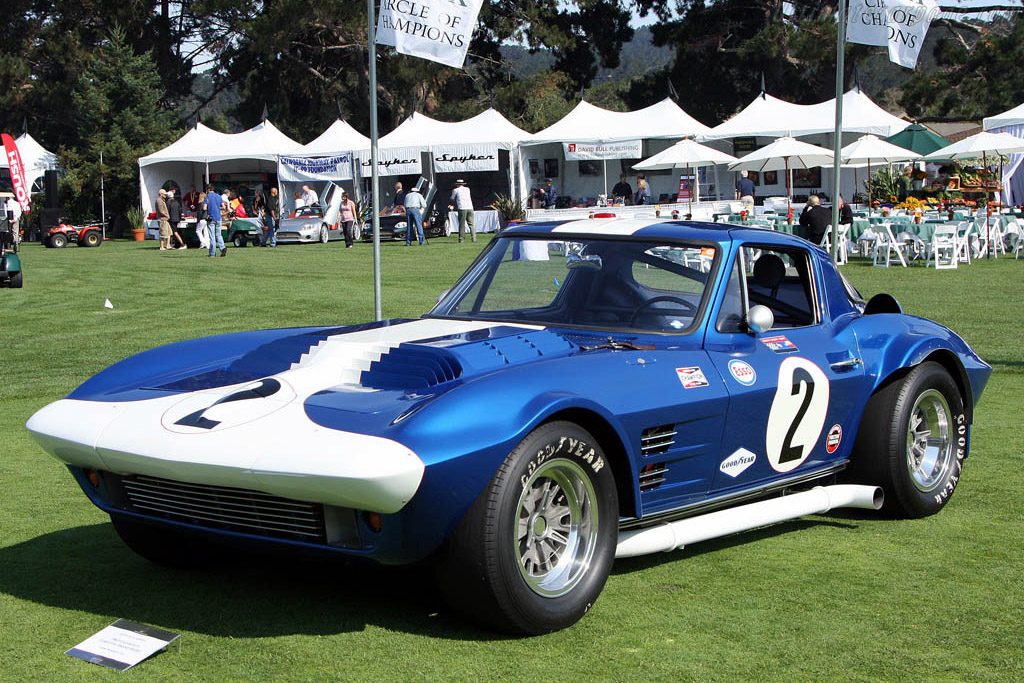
point(587, 390)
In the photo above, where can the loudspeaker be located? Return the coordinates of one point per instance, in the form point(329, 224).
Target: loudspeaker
point(49, 218)
point(52, 190)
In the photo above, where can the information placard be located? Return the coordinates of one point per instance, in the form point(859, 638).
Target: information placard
point(122, 645)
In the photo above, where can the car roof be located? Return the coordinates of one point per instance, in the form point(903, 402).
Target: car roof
point(655, 228)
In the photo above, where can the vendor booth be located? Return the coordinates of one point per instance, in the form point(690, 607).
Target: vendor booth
point(1011, 122)
point(327, 160)
point(585, 152)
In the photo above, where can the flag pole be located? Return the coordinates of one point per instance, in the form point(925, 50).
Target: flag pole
point(375, 198)
point(837, 142)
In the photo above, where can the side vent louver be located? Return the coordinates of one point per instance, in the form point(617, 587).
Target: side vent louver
point(651, 476)
point(657, 439)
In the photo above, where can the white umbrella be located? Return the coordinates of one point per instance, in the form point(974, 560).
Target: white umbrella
point(870, 149)
point(785, 153)
point(685, 154)
point(981, 145)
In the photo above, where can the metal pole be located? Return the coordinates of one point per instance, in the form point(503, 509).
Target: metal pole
point(372, 49)
point(103, 202)
point(837, 143)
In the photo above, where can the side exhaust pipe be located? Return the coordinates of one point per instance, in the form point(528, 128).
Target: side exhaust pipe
point(671, 536)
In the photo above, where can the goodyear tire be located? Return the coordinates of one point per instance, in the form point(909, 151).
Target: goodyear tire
point(912, 441)
point(164, 546)
point(58, 241)
point(534, 551)
point(91, 239)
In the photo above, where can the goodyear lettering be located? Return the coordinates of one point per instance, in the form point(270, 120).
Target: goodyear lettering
point(565, 446)
point(961, 452)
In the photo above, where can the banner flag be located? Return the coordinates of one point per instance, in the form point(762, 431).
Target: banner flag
point(336, 168)
point(438, 30)
point(466, 158)
point(596, 151)
point(398, 161)
point(899, 25)
point(17, 173)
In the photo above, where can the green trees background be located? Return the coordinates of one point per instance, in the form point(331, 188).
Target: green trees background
point(126, 77)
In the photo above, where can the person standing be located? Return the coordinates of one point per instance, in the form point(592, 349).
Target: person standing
point(309, 196)
point(202, 227)
point(463, 203)
point(414, 205)
point(13, 209)
point(622, 190)
point(213, 208)
point(815, 219)
point(174, 217)
point(348, 219)
point(162, 219)
point(746, 191)
point(399, 195)
point(191, 200)
point(548, 195)
point(271, 217)
point(643, 193)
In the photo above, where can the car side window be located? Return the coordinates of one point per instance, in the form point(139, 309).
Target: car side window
point(780, 278)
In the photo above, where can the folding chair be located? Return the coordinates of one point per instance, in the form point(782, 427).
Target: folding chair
point(842, 255)
point(963, 242)
point(915, 247)
point(1011, 233)
point(943, 250)
point(888, 242)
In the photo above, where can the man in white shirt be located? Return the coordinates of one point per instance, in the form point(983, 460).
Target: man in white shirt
point(463, 203)
point(414, 205)
point(309, 196)
point(13, 209)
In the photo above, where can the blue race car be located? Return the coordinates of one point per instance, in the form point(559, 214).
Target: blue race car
point(587, 390)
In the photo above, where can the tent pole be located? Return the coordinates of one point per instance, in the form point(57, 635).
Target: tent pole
point(837, 143)
point(375, 195)
point(103, 201)
point(604, 165)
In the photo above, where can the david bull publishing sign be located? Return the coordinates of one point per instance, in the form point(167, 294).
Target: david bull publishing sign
point(587, 151)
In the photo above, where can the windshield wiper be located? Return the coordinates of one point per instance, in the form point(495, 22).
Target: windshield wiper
point(618, 345)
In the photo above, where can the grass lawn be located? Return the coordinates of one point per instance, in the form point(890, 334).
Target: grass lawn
point(837, 597)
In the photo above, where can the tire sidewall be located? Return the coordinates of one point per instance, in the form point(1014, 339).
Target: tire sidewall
point(922, 503)
point(531, 611)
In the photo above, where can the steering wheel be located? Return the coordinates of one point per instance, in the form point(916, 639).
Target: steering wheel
point(690, 309)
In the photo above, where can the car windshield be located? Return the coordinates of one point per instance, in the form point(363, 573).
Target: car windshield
point(599, 283)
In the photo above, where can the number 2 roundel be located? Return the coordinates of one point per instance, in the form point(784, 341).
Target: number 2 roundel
point(798, 413)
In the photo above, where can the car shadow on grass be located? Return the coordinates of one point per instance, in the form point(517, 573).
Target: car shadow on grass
point(88, 569)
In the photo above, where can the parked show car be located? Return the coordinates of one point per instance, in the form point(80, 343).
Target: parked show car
point(314, 223)
point(588, 390)
point(393, 223)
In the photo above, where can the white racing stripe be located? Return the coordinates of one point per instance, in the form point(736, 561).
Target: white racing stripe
point(606, 226)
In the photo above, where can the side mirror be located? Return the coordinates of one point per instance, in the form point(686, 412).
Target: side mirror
point(760, 318)
point(589, 262)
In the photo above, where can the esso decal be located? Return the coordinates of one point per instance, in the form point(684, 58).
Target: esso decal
point(798, 413)
point(742, 372)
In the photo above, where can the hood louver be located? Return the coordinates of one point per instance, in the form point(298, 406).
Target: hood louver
point(411, 368)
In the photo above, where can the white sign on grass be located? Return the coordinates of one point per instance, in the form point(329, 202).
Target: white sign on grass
point(122, 645)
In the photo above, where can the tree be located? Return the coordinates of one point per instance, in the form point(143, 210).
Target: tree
point(116, 100)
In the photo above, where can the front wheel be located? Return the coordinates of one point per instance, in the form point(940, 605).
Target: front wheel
point(239, 240)
point(912, 441)
point(58, 241)
point(534, 551)
point(325, 236)
point(91, 239)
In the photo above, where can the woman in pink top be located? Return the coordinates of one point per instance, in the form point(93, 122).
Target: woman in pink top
point(348, 218)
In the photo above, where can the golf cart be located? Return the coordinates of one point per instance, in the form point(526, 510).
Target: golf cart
point(10, 262)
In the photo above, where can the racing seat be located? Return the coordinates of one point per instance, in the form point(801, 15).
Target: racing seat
point(769, 271)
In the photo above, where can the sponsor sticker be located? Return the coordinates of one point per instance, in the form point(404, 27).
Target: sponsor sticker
point(737, 462)
point(742, 372)
point(692, 377)
point(779, 344)
point(834, 438)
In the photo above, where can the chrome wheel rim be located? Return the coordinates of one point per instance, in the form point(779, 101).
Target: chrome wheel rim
point(556, 528)
point(929, 441)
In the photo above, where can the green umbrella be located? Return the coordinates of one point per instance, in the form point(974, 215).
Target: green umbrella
point(917, 138)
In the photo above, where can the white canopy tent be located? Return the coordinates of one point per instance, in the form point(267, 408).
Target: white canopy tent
point(202, 151)
point(604, 135)
point(339, 138)
point(1012, 122)
point(34, 157)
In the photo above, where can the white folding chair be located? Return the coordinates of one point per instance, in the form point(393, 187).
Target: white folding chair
point(888, 242)
point(963, 242)
point(942, 252)
point(914, 246)
point(1011, 234)
point(842, 255)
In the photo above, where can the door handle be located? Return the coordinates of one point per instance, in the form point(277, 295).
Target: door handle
point(844, 365)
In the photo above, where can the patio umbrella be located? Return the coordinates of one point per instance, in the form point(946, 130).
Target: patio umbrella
point(785, 153)
point(685, 154)
point(868, 149)
point(981, 145)
point(917, 138)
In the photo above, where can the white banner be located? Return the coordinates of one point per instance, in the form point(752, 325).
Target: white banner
point(399, 161)
point(465, 158)
point(585, 151)
point(899, 25)
point(300, 169)
point(438, 30)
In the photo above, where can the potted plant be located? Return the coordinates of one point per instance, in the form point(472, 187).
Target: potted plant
point(510, 208)
point(136, 221)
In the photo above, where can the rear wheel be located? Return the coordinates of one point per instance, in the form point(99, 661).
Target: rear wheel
point(164, 546)
point(534, 551)
point(91, 239)
point(58, 240)
point(912, 441)
point(16, 280)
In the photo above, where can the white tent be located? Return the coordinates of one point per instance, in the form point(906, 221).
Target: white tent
point(589, 123)
point(339, 138)
point(202, 151)
point(487, 127)
point(34, 157)
point(860, 115)
point(1011, 122)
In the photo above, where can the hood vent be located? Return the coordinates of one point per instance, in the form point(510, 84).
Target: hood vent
point(656, 440)
point(412, 368)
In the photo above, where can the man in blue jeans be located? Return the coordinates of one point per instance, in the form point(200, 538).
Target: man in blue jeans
point(214, 215)
point(271, 208)
point(414, 205)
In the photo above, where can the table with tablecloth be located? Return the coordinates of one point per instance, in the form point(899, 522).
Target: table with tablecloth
point(483, 221)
